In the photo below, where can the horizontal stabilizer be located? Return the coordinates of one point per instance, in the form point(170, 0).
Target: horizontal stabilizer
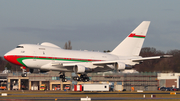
point(151, 58)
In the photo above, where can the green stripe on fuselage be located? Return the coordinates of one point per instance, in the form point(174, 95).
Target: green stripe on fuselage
point(24, 58)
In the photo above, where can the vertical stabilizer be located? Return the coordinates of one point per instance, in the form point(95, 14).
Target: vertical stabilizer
point(132, 44)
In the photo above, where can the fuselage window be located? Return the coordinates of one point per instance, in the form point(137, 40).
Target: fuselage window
point(19, 47)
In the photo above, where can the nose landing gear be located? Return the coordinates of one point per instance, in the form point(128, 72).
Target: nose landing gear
point(24, 73)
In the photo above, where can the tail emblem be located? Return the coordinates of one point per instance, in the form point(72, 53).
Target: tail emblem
point(136, 36)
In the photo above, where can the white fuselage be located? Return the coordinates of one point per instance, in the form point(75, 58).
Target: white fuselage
point(42, 57)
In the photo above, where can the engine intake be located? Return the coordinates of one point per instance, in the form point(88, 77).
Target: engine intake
point(79, 69)
point(120, 66)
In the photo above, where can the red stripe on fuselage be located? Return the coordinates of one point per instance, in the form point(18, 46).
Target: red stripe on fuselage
point(13, 58)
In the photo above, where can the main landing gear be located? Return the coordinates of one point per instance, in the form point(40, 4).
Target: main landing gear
point(81, 77)
point(63, 77)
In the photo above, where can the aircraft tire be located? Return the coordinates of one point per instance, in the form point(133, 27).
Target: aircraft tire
point(78, 79)
point(24, 75)
point(62, 76)
point(64, 80)
point(84, 80)
point(74, 78)
point(87, 78)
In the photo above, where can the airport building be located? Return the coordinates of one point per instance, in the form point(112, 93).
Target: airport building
point(139, 81)
point(169, 80)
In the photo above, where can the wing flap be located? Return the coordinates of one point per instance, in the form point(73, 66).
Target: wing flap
point(100, 63)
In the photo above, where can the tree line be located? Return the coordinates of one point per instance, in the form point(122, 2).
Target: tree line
point(164, 65)
point(159, 65)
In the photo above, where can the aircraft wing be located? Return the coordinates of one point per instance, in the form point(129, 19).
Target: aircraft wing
point(151, 58)
point(76, 63)
point(103, 63)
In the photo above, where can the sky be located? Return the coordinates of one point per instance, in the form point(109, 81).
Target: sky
point(89, 24)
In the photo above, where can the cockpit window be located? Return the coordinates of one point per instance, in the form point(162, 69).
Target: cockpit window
point(20, 47)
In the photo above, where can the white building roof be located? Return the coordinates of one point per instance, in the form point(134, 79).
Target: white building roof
point(168, 76)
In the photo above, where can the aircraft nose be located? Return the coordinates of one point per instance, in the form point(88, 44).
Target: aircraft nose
point(12, 58)
point(6, 57)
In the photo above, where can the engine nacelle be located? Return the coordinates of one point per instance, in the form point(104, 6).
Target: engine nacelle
point(120, 66)
point(79, 69)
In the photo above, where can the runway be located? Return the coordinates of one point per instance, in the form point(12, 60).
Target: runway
point(95, 96)
point(77, 99)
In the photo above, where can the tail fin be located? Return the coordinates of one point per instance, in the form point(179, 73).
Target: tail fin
point(132, 44)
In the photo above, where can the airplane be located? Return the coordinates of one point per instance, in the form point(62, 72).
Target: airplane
point(46, 57)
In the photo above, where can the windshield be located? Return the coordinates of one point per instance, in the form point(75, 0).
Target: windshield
point(19, 47)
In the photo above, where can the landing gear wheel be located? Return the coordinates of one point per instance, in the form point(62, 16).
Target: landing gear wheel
point(76, 78)
point(86, 79)
point(24, 74)
point(64, 80)
point(63, 77)
point(82, 77)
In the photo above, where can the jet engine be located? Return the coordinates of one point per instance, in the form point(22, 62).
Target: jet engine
point(120, 66)
point(79, 69)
